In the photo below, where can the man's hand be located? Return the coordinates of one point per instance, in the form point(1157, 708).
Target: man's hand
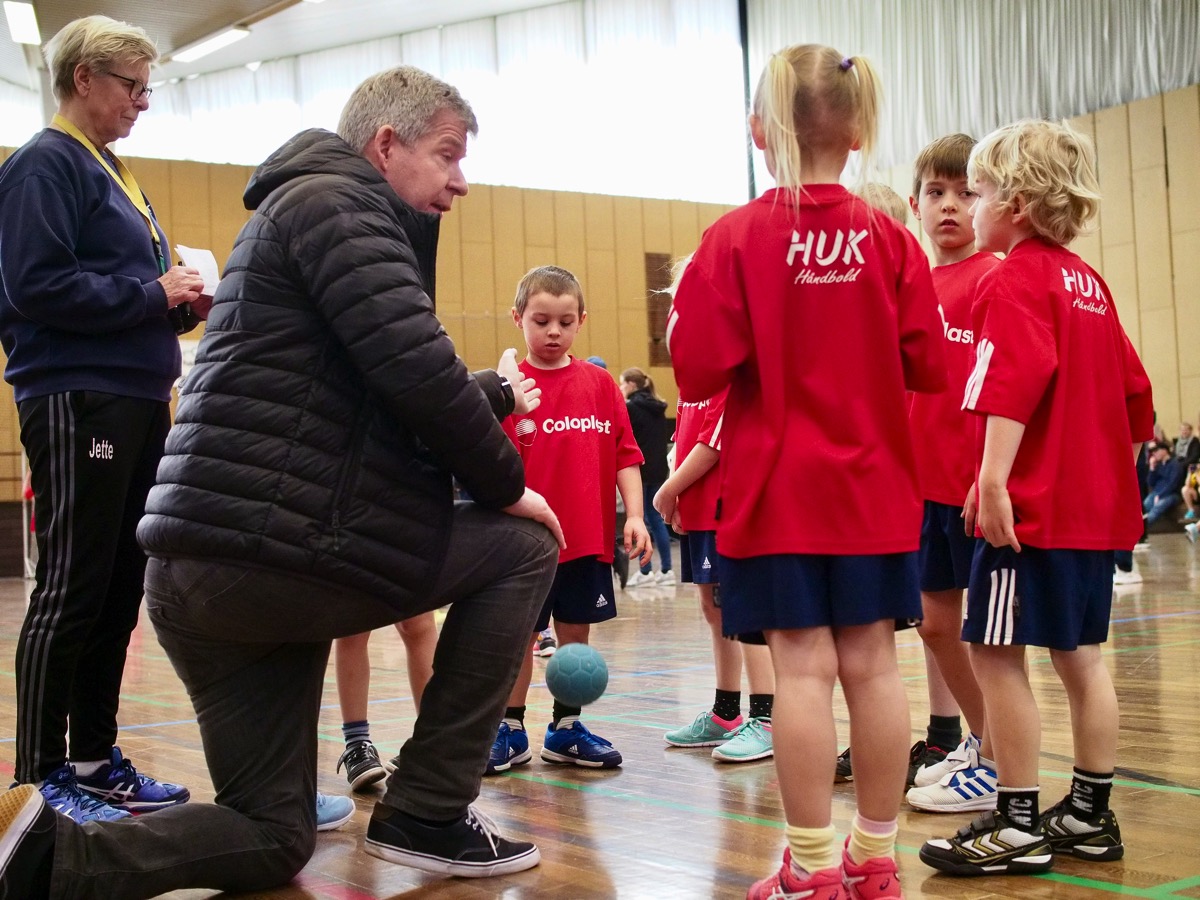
point(533, 505)
point(526, 395)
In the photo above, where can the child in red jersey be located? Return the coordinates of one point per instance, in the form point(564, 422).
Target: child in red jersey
point(953, 776)
point(688, 500)
point(576, 445)
point(1052, 362)
point(818, 313)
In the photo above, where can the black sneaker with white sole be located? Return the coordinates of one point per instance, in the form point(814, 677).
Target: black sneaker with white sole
point(990, 845)
point(27, 834)
point(1097, 838)
point(363, 767)
point(470, 847)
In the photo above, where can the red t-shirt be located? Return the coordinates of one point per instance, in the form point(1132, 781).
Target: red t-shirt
point(572, 445)
point(818, 319)
point(944, 435)
point(1052, 354)
point(700, 423)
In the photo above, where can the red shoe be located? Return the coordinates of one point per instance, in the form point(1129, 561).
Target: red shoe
point(876, 879)
point(784, 885)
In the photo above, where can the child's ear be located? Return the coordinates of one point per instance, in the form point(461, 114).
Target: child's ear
point(1020, 209)
point(582, 318)
point(756, 132)
point(516, 317)
point(915, 207)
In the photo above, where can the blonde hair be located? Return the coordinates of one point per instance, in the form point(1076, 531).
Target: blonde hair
point(884, 199)
point(1050, 167)
point(95, 42)
point(405, 97)
point(640, 380)
point(548, 279)
point(945, 157)
point(810, 97)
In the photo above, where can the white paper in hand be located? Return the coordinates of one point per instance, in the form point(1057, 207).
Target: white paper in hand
point(205, 263)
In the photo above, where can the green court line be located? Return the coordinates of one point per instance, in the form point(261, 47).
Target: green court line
point(1158, 892)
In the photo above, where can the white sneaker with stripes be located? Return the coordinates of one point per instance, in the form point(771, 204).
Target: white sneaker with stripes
point(964, 790)
point(964, 756)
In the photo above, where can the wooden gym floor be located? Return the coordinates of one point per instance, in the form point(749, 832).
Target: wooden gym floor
point(673, 823)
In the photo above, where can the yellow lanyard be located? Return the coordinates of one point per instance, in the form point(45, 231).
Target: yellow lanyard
point(125, 181)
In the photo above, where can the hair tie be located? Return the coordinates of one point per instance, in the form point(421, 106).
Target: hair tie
point(845, 64)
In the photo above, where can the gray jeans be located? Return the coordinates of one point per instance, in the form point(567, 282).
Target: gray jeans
point(251, 647)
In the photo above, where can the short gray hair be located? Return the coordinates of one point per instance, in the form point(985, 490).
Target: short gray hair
point(406, 98)
point(96, 42)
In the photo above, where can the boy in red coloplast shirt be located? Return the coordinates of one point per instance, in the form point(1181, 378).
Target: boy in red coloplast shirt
point(575, 447)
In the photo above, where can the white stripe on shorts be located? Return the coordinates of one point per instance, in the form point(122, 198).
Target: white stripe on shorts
point(999, 630)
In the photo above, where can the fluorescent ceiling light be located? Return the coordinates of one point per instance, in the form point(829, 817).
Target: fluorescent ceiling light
point(22, 23)
point(314, 1)
point(253, 66)
point(217, 42)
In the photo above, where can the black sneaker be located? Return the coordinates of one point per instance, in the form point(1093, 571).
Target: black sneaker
point(1097, 838)
point(843, 772)
point(471, 847)
point(923, 754)
point(363, 767)
point(27, 832)
point(990, 845)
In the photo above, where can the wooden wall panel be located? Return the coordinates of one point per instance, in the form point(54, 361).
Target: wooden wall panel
point(508, 235)
point(1112, 150)
point(1160, 355)
point(1153, 243)
point(449, 281)
point(1146, 147)
point(1120, 274)
point(1186, 247)
point(1182, 118)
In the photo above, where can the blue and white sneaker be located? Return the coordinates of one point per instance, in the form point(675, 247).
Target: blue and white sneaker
point(61, 792)
point(333, 811)
point(963, 790)
point(964, 756)
point(511, 748)
point(119, 784)
point(576, 746)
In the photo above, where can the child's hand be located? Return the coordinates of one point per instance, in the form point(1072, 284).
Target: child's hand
point(665, 501)
point(968, 513)
point(637, 540)
point(996, 517)
point(526, 396)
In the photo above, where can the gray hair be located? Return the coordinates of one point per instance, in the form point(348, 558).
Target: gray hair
point(95, 42)
point(406, 98)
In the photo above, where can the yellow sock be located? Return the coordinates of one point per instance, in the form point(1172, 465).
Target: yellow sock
point(870, 839)
point(812, 849)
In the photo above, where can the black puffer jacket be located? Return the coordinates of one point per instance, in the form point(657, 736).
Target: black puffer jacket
point(327, 411)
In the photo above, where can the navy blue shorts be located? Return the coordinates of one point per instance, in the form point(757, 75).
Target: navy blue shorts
point(1059, 599)
point(946, 550)
point(762, 593)
point(582, 594)
point(699, 562)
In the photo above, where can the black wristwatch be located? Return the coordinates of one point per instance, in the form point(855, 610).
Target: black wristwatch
point(510, 399)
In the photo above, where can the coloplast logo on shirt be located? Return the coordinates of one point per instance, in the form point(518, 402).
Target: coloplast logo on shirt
point(824, 256)
point(577, 423)
point(526, 430)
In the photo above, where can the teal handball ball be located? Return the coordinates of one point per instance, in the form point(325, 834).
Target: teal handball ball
point(576, 675)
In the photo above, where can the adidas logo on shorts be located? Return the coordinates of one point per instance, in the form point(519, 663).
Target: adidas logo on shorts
point(601, 602)
point(707, 564)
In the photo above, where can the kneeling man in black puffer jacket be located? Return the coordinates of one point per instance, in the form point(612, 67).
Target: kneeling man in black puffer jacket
point(307, 494)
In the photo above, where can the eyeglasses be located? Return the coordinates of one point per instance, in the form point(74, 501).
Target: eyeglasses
point(137, 89)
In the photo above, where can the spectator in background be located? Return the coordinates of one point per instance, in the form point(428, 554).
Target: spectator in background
point(1165, 478)
point(1187, 445)
point(885, 199)
point(648, 416)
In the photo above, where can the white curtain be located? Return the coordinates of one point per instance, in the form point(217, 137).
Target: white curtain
point(20, 114)
point(973, 65)
point(636, 97)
